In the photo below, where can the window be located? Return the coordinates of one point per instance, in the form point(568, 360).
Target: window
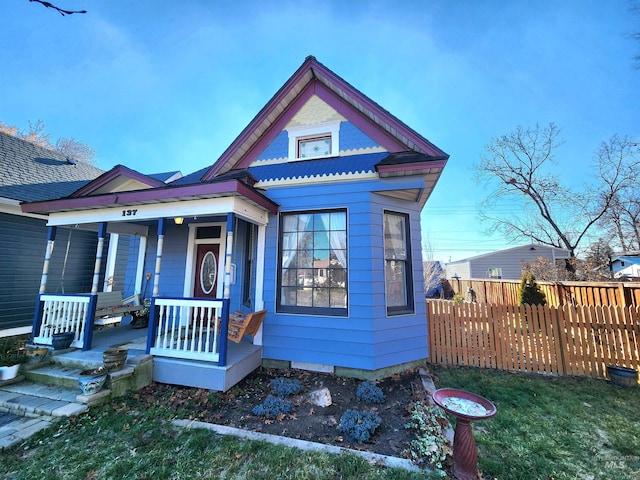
point(249, 265)
point(397, 264)
point(494, 273)
point(312, 278)
point(314, 141)
point(314, 147)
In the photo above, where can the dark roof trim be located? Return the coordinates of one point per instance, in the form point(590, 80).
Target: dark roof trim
point(406, 161)
point(225, 188)
point(115, 172)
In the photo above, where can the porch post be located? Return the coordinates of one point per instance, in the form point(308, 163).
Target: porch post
point(228, 256)
point(156, 276)
point(37, 317)
point(259, 299)
point(111, 262)
point(93, 299)
point(151, 331)
point(222, 360)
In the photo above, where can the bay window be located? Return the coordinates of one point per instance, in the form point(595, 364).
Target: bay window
point(312, 276)
point(397, 264)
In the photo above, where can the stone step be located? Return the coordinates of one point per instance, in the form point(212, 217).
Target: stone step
point(29, 398)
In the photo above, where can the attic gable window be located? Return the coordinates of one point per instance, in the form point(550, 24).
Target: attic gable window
point(314, 141)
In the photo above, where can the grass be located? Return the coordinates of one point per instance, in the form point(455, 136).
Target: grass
point(125, 443)
point(546, 428)
point(553, 427)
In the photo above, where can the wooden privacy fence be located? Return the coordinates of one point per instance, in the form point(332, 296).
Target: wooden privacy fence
point(566, 340)
point(621, 294)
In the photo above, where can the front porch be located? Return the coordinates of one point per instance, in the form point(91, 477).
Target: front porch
point(186, 337)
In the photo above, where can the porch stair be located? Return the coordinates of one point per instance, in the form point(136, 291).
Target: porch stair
point(51, 387)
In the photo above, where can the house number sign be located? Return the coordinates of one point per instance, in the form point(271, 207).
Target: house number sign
point(129, 213)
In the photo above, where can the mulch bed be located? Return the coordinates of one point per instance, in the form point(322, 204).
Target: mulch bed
point(306, 421)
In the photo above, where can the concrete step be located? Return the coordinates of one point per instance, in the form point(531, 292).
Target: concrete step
point(31, 399)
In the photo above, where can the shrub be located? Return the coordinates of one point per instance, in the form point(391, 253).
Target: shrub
point(282, 387)
point(529, 292)
point(272, 407)
point(369, 392)
point(359, 425)
point(430, 445)
point(458, 299)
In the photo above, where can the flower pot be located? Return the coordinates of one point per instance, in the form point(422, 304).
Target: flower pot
point(115, 358)
point(35, 353)
point(622, 376)
point(62, 341)
point(91, 381)
point(9, 372)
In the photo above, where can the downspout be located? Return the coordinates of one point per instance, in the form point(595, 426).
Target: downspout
point(37, 317)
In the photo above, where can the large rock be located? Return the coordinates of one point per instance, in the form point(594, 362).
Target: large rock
point(320, 397)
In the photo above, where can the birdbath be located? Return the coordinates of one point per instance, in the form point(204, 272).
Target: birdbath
point(467, 407)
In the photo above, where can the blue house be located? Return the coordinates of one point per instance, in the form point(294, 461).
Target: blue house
point(312, 213)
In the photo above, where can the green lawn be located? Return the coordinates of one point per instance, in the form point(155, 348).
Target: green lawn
point(553, 427)
point(545, 428)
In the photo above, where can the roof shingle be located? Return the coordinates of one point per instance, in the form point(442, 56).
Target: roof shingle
point(29, 172)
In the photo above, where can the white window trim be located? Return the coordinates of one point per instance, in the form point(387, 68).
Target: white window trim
point(318, 130)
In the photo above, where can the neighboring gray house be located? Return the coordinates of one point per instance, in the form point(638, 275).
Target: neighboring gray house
point(506, 264)
point(29, 172)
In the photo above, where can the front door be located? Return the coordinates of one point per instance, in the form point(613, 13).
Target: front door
point(206, 271)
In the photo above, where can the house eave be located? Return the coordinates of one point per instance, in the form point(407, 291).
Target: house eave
point(228, 188)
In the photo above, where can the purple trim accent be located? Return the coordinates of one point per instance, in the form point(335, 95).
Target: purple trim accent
point(261, 116)
point(384, 138)
point(276, 127)
point(117, 171)
point(155, 194)
point(411, 166)
point(372, 106)
point(364, 123)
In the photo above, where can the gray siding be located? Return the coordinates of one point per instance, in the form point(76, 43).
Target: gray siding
point(22, 247)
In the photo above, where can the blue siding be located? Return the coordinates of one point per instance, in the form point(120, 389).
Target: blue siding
point(172, 269)
point(278, 148)
point(351, 138)
point(367, 338)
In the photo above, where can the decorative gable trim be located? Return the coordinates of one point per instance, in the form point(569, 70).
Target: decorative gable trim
point(314, 78)
point(94, 186)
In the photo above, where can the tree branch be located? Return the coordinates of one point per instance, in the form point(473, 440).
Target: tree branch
point(59, 10)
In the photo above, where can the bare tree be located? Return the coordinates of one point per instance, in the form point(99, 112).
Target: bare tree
point(619, 163)
point(36, 133)
point(432, 270)
point(520, 166)
point(72, 148)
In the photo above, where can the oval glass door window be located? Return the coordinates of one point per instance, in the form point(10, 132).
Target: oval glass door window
point(208, 270)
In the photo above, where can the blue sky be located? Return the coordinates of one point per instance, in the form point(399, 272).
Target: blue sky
point(165, 85)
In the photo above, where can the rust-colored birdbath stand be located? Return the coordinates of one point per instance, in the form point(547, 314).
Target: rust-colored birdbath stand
point(467, 407)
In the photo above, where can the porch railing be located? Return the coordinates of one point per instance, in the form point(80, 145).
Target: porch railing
point(63, 313)
point(189, 329)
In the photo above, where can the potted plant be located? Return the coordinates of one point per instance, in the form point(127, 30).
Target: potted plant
point(622, 376)
point(91, 381)
point(11, 357)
